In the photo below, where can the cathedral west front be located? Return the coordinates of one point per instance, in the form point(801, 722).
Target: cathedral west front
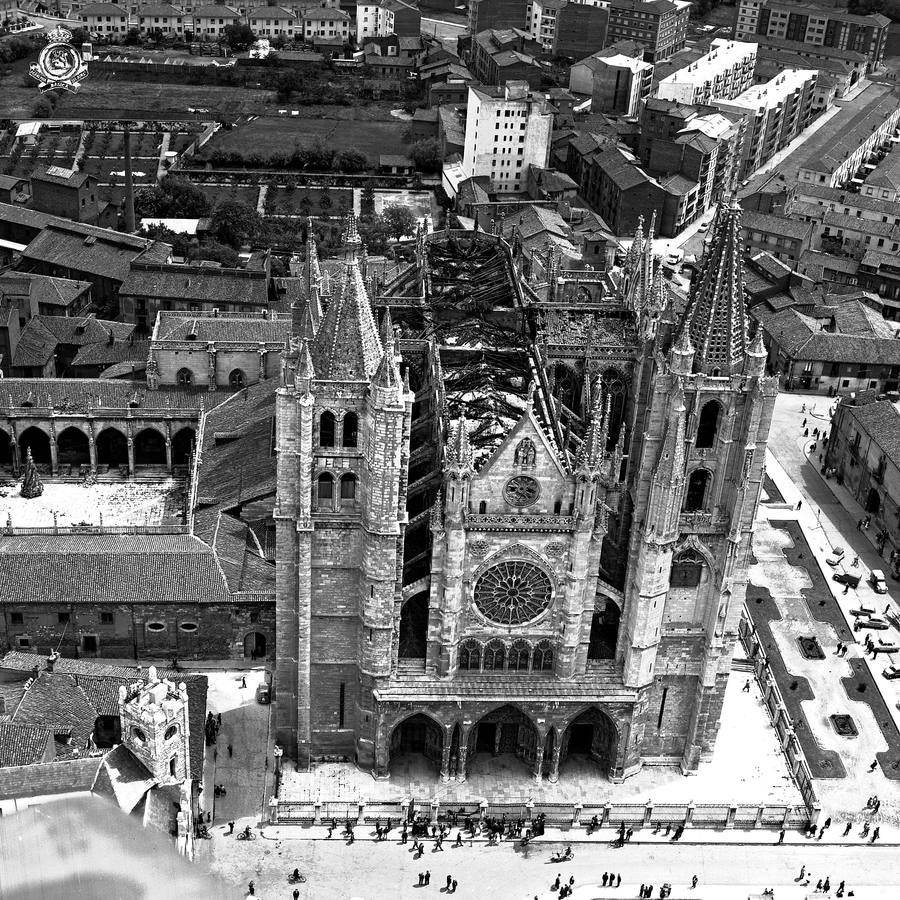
point(514, 506)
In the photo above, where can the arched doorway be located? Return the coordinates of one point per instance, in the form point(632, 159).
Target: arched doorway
point(149, 448)
point(254, 645)
point(503, 731)
point(39, 444)
point(418, 735)
point(604, 632)
point(708, 425)
point(73, 448)
point(6, 457)
point(183, 447)
point(873, 502)
point(592, 735)
point(414, 627)
point(112, 448)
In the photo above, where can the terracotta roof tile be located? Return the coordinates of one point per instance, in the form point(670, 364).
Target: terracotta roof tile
point(23, 745)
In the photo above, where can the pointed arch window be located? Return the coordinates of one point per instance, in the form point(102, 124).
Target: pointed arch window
point(326, 429)
point(470, 656)
point(697, 490)
point(348, 488)
point(325, 489)
point(237, 379)
point(350, 434)
point(543, 657)
point(708, 425)
point(687, 569)
point(519, 656)
point(185, 377)
point(494, 657)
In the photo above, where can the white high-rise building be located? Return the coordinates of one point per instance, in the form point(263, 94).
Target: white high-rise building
point(507, 130)
point(723, 73)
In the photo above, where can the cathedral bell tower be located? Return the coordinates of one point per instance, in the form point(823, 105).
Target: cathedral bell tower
point(156, 728)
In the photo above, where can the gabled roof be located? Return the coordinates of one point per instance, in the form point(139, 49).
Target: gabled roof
point(55, 701)
point(881, 422)
point(22, 744)
point(270, 12)
point(216, 11)
point(101, 9)
point(45, 289)
point(160, 9)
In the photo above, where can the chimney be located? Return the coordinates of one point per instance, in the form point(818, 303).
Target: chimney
point(129, 185)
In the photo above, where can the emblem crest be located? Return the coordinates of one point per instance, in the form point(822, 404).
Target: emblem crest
point(60, 65)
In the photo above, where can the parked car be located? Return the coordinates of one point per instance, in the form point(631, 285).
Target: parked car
point(847, 578)
point(876, 579)
point(862, 610)
point(836, 555)
point(704, 226)
point(874, 622)
point(891, 672)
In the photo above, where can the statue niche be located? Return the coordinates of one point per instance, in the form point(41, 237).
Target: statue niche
point(526, 453)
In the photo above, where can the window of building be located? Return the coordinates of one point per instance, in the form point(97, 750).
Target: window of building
point(348, 487)
point(107, 618)
point(156, 627)
point(62, 618)
point(325, 488)
point(16, 618)
point(185, 376)
point(188, 627)
point(326, 429)
point(350, 430)
point(236, 379)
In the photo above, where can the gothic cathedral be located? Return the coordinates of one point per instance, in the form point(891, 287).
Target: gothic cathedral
point(514, 506)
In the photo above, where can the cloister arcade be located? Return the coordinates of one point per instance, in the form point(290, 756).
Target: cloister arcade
point(69, 446)
point(541, 741)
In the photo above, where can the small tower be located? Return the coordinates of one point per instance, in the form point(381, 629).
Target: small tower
point(155, 726)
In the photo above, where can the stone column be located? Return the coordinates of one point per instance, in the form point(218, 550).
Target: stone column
point(92, 448)
point(130, 454)
point(169, 452)
point(262, 363)
point(498, 734)
point(554, 762)
point(539, 761)
point(211, 365)
point(463, 752)
point(445, 755)
point(14, 447)
point(54, 450)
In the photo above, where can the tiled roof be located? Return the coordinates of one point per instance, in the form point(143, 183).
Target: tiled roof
point(123, 777)
point(101, 9)
point(106, 354)
point(82, 394)
point(36, 345)
point(23, 745)
point(205, 329)
point(216, 11)
point(270, 12)
point(102, 255)
point(52, 175)
point(881, 422)
point(44, 289)
point(769, 224)
point(206, 284)
point(98, 568)
point(160, 9)
point(99, 684)
point(55, 701)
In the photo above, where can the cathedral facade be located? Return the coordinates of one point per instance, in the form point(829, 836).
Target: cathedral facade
point(514, 507)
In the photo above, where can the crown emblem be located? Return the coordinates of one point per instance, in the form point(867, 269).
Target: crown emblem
point(59, 35)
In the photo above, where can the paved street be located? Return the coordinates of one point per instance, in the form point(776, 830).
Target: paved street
point(371, 871)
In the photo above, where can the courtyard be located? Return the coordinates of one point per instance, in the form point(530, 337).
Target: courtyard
point(66, 504)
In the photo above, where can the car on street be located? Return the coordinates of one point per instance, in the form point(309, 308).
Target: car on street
point(874, 622)
point(836, 555)
point(876, 579)
point(703, 226)
point(847, 578)
point(891, 672)
point(862, 610)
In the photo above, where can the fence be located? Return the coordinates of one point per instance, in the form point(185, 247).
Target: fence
point(781, 719)
point(558, 815)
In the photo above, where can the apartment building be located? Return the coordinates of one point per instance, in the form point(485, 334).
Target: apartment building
point(838, 150)
point(617, 83)
point(774, 114)
point(507, 130)
point(331, 25)
point(211, 21)
point(274, 21)
point(497, 56)
point(660, 26)
point(568, 28)
point(723, 73)
point(883, 179)
point(163, 17)
point(386, 18)
point(104, 18)
point(814, 24)
point(484, 14)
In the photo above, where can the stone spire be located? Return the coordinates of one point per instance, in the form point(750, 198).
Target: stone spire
point(460, 458)
point(313, 272)
point(32, 486)
point(388, 373)
point(352, 241)
point(590, 456)
point(681, 356)
point(664, 503)
point(347, 347)
point(716, 315)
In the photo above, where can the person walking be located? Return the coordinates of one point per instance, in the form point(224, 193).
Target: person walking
point(781, 836)
point(874, 765)
point(847, 829)
point(694, 881)
point(243, 681)
point(421, 878)
point(449, 882)
point(231, 827)
point(427, 877)
point(746, 687)
point(453, 886)
point(876, 834)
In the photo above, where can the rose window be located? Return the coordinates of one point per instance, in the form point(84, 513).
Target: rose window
point(512, 592)
point(521, 491)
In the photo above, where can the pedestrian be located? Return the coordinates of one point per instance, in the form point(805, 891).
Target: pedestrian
point(826, 887)
point(231, 827)
point(421, 878)
point(449, 882)
point(876, 805)
point(642, 891)
point(629, 834)
point(230, 751)
point(746, 687)
point(555, 885)
point(865, 830)
point(619, 880)
point(874, 765)
point(846, 588)
point(243, 681)
point(847, 828)
point(403, 835)
point(876, 834)
point(330, 830)
point(453, 886)
point(804, 424)
point(605, 877)
point(296, 894)
point(802, 873)
point(459, 840)
point(694, 881)
point(799, 504)
point(781, 836)
point(821, 832)
point(219, 720)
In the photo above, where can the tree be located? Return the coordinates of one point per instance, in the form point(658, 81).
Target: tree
point(399, 220)
point(173, 197)
point(426, 154)
point(289, 82)
point(367, 201)
point(234, 223)
point(219, 253)
point(239, 37)
point(375, 234)
point(350, 161)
